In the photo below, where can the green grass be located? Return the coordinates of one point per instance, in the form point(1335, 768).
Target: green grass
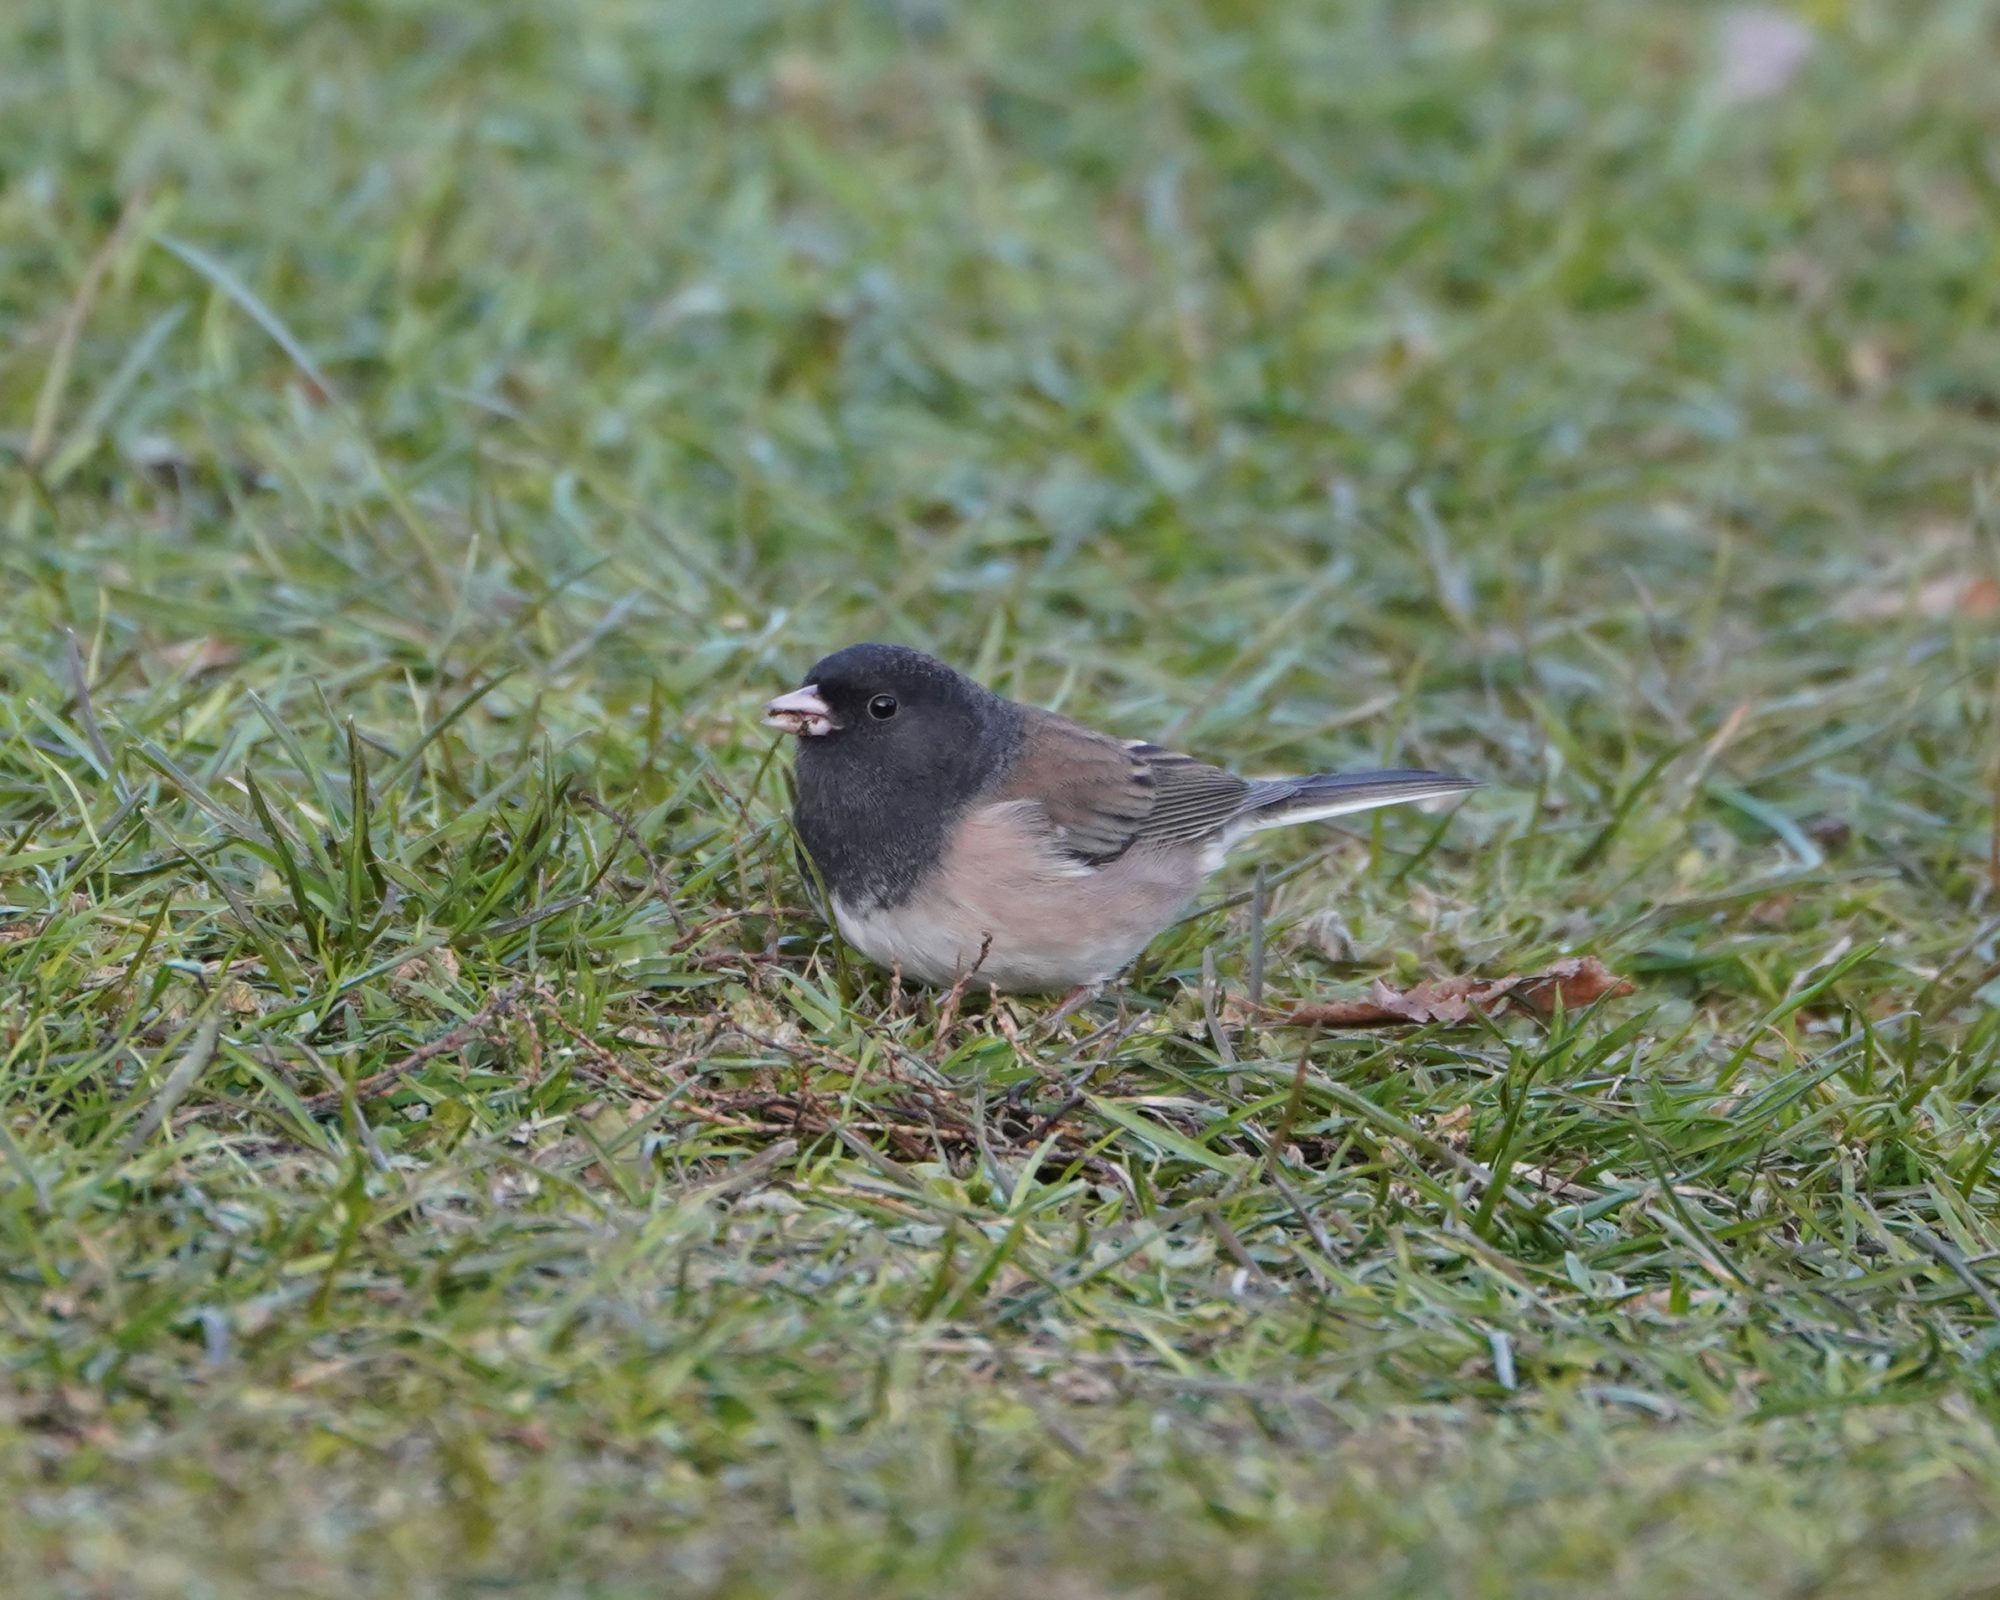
point(430, 431)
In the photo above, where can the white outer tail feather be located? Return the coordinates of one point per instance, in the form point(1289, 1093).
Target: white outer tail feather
point(1366, 791)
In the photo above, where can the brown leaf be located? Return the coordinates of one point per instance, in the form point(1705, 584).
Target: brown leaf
point(1870, 365)
point(1575, 983)
point(196, 656)
point(1972, 596)
point(798, 81)
point(1977, 598)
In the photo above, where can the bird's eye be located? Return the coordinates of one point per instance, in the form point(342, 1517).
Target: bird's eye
point(882, 707)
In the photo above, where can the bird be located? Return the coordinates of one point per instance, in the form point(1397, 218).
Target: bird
point(960, 838)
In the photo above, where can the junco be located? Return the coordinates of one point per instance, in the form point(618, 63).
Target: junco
point(960, 835)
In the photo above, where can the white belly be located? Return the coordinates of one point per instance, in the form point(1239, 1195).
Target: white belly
point(1010, 914)
point(926, 942)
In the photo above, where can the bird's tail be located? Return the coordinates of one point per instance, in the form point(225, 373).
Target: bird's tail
point(1279, 802)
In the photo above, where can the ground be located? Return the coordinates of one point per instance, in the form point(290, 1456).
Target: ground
point(438, 1154)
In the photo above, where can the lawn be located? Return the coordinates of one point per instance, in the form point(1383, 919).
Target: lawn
point(438, 1156)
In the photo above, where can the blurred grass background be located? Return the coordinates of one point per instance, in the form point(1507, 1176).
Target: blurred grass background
point(434, 1159)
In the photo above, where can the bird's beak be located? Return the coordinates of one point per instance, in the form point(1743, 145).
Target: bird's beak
point(801, 712)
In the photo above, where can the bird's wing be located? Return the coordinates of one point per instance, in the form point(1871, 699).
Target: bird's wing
point(1102, 795)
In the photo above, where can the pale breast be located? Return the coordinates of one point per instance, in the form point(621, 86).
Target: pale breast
point(1010, 910)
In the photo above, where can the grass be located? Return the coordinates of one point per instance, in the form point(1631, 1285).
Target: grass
point(437, 1158)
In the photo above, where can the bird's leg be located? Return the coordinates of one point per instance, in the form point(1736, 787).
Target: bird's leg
point(1073, 1002)
point(948, 1011)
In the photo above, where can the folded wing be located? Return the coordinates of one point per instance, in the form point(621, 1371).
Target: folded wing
point(1103, 796)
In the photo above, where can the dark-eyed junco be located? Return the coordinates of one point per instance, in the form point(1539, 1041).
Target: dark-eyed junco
point(961, 835)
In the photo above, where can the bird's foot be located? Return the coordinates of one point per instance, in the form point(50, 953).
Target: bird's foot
point(1073, 1002)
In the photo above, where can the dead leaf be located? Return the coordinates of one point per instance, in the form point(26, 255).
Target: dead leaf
point(1772, 912)
point(1973, 596)
point(193, 657)
point(1454, 1127)
point(1870, 365)
point(1976, 598)
point(439, 967)
point(1574, 983)
point(798, 81)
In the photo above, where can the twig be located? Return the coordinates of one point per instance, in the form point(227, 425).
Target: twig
point(623, 824)
point(1258, 898)
point(599, 1056)
point(693, 935)
point(193, 1062)
point(497, 1006)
